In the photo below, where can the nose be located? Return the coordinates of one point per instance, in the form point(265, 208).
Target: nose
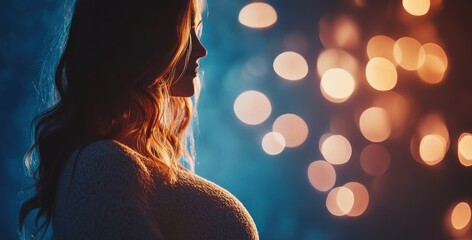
point(198, 50)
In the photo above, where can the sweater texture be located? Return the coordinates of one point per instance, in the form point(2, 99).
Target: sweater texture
point(108, 191)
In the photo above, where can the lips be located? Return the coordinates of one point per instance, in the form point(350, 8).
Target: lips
point(192, 69)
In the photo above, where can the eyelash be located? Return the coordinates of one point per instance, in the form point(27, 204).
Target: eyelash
point(198, 29)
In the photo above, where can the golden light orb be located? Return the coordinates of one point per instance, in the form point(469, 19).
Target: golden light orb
point(293, 128)
point(252, 107)
point(337, 85)
point(461, 215)
point(321, 175)
point(381, 74)
point(437, 51)
point(381, 46)
point(257, 15)
point(434, 123)
point(290, 66)
point(432, 149)
point(340, 201)
point(337, 58)
point(408, 53)
point(464, 149)
point(336, 149)
point(374, 124)
point(361, 198)
point(416, 7)
point(435, 64)
point(273, 143)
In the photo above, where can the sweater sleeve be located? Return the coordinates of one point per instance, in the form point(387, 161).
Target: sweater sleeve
point(108, 196)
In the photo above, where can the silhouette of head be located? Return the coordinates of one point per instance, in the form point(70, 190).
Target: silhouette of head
point(123, 57)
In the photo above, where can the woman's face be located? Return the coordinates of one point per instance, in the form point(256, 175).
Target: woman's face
point(184, 86)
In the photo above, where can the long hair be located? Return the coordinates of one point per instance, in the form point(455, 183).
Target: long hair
point(113, 77)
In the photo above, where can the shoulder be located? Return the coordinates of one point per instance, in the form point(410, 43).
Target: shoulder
point(106, 160)
point(105, 170)
point(104, 194)
point(106, 149)
point(110, 154)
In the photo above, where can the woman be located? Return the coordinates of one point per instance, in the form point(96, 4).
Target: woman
point(109, 149)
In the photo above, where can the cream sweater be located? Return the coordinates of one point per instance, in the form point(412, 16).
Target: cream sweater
point(114, 193)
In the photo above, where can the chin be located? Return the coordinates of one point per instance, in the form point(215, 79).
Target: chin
point(183, 88)
point(187, 93)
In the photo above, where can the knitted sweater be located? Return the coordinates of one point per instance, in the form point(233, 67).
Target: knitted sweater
point(115, 193)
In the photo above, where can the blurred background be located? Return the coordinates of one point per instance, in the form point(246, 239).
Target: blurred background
point(343, 119)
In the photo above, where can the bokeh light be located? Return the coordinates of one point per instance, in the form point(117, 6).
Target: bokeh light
point(433, 69)
point(337, 85)
point(374, 124)
point(336, 149)
point(331, 203)
point(258, 15)
point(398, 109)
point(461, 215)
point(432, 149)
point(437, 51)
point(375, 159)
point(381, 46)
point(433, 123)
point(337, 58)
point(360, 197)
point(273, 143)
point(458, 220)
point(340, 201)
point(321, 175)
point(381, 74)
point(359, 3)
point(345, 200)
point(252, 107)
point(293, 128)
point(431, 141)
point(416, 7)
point(291, 66)
point(408, 53)
point(339, 32)
point(464, 149)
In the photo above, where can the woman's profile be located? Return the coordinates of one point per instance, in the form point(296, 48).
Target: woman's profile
point(109, 151)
